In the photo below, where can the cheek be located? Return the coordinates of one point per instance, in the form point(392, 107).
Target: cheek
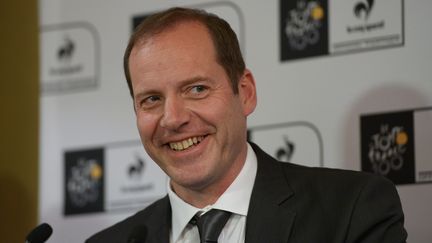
point(147, 125)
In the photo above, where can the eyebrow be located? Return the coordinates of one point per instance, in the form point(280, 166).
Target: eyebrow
point(193, 80)
point(180, 83)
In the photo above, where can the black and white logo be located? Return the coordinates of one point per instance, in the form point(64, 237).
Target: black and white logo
point(296, 142)
point(70, 58)
point(133, 180)
point(285, 151)
point(114, 176)
point(387, 148)
point(303, 23)
point(391, 145)
point(303, 30)
point(310, 28)
point(362, 11)
point(84, 181)
point(363, 8)
point(66, 49)
point(360, 25)
point(136, 168)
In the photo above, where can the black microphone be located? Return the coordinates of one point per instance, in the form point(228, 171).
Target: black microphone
point(39, 234)
point(138, 234)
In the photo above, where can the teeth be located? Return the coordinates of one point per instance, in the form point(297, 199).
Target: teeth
point(184, 144)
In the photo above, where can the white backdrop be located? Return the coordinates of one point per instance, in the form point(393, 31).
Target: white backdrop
point(317, 102)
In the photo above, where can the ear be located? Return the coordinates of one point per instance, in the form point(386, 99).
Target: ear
point(247, 92)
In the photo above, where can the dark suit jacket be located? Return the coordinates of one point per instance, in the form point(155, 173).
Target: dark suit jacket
point(292, 203)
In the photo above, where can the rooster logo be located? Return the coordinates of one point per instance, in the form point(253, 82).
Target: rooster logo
point(363, 9)
point(136, 169)
point(66, 49)
point(285, 153)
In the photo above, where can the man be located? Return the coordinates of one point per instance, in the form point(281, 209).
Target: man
point(192, 95)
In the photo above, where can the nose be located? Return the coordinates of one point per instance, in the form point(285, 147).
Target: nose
point(175, 114)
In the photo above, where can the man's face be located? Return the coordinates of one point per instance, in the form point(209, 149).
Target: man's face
point(190, 121)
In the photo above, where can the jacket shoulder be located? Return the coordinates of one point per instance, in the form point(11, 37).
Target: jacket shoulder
point(325, 179)
point(148, 217)
point(321, 178)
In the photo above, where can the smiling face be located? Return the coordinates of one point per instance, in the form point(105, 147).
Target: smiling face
point(190, 121)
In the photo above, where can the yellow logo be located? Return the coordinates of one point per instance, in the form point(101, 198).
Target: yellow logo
point(402, 138)
point(317, 13)
point(95, 172)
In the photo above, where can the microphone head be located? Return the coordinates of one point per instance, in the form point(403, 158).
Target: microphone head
point(39, 234)
point(138, 234)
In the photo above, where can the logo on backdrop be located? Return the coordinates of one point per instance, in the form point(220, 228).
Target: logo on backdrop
point(303, 24)
point(362, 9)
point(285, 151)
point(370, 25)
point(65, 54)
point(387, 148)
point(136, 168)
point(310, 28)
point(303, 29)
point(135, 171)
point(297, 142)
point(387, 145)
point(69, 58)
point(84, 181)
point(66, 49)
point(116, 176)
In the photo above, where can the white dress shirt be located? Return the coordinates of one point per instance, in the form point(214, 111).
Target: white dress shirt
point(235, 200)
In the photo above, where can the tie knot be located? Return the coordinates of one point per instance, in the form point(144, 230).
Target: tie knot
point(211, 224)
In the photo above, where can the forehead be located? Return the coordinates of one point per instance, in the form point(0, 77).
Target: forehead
point(185, 34)
point(178, 52)
point(186, 41)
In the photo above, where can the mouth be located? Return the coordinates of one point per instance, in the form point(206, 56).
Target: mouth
point(186, 143)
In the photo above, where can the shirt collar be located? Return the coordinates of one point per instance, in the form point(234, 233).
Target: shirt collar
point(235, 199)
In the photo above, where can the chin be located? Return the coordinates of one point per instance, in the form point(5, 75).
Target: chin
point(191, 183)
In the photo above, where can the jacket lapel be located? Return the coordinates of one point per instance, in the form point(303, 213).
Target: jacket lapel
point(159, 223)
point(269, 218)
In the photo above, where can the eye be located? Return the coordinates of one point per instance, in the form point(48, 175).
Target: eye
point(150, 101)
point(198, 91)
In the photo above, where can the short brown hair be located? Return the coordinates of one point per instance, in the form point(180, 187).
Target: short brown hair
point(228, 53)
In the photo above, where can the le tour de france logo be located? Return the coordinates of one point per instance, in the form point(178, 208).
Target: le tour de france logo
point(387, 145)
point(386, 149)
point(303, 29)
point(84, 181)
point(303, 23)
